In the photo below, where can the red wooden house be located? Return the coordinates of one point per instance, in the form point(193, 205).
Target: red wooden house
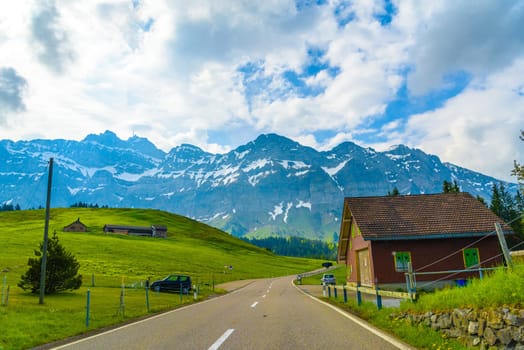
point(379, 236)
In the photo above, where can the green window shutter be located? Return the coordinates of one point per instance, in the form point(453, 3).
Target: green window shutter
point(402, 259)
point(471, 257)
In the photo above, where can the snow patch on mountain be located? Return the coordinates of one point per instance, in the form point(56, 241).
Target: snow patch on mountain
point(300, 173)
point(396, 157)
point(303, 204)
point(131, 177)
point(293, 164)
point(257, 164)
point(333, 171)
point(277, 210)
point(74, 191)
point(288, 206)
point(255, 179)
point(241, 155)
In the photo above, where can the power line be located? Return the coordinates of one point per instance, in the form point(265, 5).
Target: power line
point(468, 246)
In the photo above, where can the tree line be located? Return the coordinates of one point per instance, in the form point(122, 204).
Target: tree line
point(297, 246)
point(81, 204)
point(9, 207)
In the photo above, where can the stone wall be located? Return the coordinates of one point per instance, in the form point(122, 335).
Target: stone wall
point(497, 328)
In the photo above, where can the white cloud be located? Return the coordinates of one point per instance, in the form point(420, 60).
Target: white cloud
point(169, 71)
point(479, 38)
point(478, 129)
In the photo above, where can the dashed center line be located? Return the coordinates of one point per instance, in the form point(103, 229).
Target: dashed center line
point(254, 304)
point(221, 340)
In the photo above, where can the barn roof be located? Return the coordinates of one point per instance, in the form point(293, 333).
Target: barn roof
point(422, 216)
point(135, 228)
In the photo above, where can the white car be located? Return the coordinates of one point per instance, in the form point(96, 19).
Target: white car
point(328, 278)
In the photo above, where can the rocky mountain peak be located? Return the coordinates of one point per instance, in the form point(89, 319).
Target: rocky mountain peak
point(270, 186)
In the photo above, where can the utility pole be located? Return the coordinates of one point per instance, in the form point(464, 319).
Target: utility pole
point(46, 229)
point(503, 245)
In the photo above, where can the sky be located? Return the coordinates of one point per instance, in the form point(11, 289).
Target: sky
point(446, 77)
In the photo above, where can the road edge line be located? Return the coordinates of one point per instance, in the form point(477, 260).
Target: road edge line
point(360, 322)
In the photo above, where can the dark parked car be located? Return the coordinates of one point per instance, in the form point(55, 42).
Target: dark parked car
point(173, 283)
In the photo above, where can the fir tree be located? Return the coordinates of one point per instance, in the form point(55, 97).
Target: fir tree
point(450, 187)
point(394, 192)
point(507, 208)
point(61, 270)
point(518, 169)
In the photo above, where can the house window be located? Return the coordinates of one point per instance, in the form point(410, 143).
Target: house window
point(402, 260)
point(471, 257)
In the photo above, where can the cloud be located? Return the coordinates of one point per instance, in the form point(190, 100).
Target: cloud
point(50, 40)
point(229, 32)
point(478, 129)
point(218, 73)
point(12, 87)
point(479, 38)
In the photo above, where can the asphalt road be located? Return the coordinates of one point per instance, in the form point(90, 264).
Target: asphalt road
point(265, 314)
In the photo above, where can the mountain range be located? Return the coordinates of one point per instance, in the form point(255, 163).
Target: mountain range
point(269, 186)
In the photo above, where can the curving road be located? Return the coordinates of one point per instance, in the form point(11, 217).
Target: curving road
point(266, 314)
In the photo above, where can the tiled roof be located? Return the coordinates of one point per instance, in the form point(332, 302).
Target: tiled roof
point(444, 214)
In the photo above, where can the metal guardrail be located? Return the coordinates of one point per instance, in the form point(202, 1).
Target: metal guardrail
point(326, 292)
point(316, 272)
point(381, 292)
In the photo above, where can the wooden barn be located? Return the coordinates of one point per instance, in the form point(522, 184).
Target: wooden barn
point(150, 231)
point(76, 226)
point(380, 236)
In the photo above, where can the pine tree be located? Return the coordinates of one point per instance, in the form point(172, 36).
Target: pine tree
point(518, 169)
point(502, 203)
point(507, 208)
point(450, 187)
point(62, 270)
point(394, 193)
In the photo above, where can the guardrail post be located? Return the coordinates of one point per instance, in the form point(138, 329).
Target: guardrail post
point(329, 291)
point(359, 295)
point(379, 298)
point(88, 307)
point(335, 291)
point(147, 298)
point(324, 290)
point(345, 295)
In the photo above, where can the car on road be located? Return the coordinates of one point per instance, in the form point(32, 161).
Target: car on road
point(173, 283)
point(328, 278)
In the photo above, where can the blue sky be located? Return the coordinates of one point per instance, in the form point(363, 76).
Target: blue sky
point(446, 77)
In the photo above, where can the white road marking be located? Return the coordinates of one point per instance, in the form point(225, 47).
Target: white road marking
point(254, 304)
point(263, 296)
point(222, 339)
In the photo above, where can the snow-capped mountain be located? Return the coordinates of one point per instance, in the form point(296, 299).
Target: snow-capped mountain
point(271, 185)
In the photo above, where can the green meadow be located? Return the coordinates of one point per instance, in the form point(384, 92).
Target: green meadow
point(114, 268)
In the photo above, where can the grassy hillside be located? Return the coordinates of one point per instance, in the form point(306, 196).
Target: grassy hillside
point(191, 247)
point(108, 260)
